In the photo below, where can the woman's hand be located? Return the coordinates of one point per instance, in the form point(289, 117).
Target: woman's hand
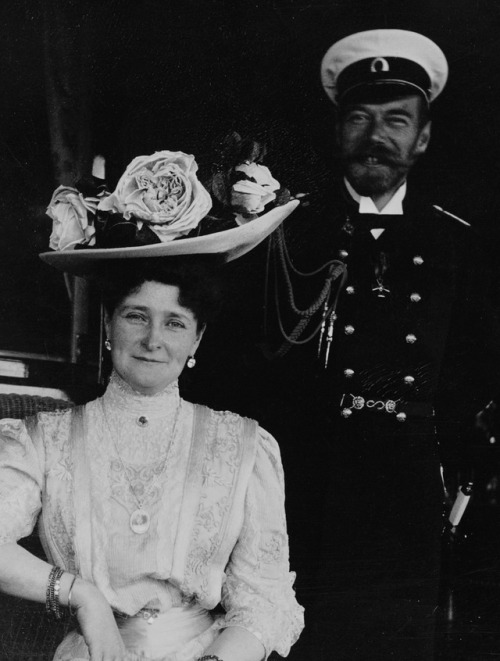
point(97, 623)
point(236, 643)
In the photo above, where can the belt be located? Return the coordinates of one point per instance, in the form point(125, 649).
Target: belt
point(148, 614)
point(400, 408)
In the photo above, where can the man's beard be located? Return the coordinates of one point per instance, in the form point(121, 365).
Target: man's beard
point(376, 170)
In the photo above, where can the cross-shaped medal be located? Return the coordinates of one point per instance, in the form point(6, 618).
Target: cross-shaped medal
point(380, 289)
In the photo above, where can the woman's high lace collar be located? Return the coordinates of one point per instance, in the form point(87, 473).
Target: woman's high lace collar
point(120, 395)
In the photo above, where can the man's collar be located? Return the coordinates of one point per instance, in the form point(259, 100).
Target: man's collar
point(366, 205)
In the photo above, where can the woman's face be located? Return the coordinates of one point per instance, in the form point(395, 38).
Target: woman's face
point(151, 337)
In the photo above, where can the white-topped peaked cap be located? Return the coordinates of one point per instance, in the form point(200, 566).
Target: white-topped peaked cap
point(384, 57)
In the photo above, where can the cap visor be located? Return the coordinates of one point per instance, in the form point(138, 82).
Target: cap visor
point(228, 245)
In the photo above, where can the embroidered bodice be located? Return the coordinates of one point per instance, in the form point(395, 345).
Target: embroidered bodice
point(199, 547)
point(140, 430)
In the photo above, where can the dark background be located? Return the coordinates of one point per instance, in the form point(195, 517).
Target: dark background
point(175, 75)
point(160, 74)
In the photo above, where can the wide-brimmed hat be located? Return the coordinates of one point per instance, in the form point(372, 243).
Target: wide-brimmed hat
point(227, 245)
point(157, 202)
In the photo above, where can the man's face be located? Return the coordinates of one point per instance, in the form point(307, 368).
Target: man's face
point(379, 143)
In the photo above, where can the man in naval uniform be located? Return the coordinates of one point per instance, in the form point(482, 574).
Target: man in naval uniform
point(397, 374)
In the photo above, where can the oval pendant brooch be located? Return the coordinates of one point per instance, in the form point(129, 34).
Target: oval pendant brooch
point(139, 521)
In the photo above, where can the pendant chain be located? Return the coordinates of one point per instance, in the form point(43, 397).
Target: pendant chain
point(141, 501)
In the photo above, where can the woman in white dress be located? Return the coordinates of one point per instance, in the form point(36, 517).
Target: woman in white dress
point(163, 521)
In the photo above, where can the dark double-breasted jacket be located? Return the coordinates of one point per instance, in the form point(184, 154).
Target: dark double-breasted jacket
point(415, 333)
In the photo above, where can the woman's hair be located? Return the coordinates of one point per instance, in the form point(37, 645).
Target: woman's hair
point(199, 288)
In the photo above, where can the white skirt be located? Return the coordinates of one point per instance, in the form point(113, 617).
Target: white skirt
point(181, 634)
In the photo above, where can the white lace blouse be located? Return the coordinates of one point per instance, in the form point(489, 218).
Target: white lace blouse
point(138, 454)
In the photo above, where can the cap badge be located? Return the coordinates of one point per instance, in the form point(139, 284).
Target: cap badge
point(379, 64)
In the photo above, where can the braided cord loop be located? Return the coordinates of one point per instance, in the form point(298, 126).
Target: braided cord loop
point(279, 256)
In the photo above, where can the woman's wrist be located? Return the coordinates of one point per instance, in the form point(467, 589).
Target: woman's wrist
point(70, 594)
point(59, 591)
point(76, 593)
point(67, 580)
point(83, 593)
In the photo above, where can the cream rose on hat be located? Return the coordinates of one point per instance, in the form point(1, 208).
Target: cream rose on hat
point(69, 211)
point(163, 191)
point(249, 196)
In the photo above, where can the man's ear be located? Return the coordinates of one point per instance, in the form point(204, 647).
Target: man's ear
point(423, 139)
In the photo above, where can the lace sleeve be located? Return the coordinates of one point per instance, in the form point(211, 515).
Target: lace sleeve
point(258, 594)
point(21, 479)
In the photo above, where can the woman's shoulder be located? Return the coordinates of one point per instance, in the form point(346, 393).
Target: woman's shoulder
point(241, 428)
point(46, 426)
point(40, 418)
point(229, 419)
point(52, 418)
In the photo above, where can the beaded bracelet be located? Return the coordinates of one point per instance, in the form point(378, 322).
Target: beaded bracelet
point(52, 604)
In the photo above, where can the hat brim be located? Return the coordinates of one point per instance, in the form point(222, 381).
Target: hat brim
point(227, 245)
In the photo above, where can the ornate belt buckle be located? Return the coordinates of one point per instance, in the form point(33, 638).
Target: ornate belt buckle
point(149, 614)
point(358, 402)
point(390, 406)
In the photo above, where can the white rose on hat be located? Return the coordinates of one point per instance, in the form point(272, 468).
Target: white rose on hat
point(250, 195)
point(69, 211)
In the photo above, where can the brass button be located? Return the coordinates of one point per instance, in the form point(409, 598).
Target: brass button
point(418, 260)
point(350, 290)
point(349, 330)
point(411, 338)
point(409, 380)
point(401, 417)
point(343, 254)
point(346, 413)
point(142, 421)
point(415, 297)
point(348, 373)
